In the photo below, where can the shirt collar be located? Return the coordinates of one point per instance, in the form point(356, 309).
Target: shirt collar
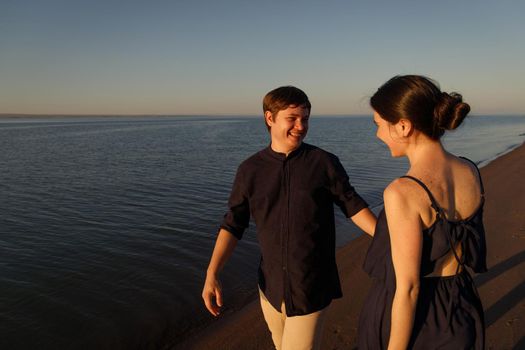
point(282, 156)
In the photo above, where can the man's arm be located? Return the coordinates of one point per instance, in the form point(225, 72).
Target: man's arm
point(212, 292)
point(349, 200)
point(366, 220)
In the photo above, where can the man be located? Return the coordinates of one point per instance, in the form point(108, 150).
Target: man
point(289, 189)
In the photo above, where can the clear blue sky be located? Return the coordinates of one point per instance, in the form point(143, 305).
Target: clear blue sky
point(221, 57)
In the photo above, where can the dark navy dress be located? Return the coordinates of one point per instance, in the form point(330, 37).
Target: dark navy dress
point(449, 314)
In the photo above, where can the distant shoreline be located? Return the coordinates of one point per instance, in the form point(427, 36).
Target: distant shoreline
point(15, 115)
point(37, 116)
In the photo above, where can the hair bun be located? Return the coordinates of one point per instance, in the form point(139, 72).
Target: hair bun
point(450, 111)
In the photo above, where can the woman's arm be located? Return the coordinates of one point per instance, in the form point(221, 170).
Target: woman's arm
point(405, 227)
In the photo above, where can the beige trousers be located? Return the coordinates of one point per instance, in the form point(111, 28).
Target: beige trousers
point(295, 332)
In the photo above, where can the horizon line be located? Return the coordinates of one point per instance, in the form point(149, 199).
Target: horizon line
point(214, 115)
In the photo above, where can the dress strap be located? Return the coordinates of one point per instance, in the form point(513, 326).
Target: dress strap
point(479, 175)
point(432, 199)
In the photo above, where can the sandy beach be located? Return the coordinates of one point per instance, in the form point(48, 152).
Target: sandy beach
point(502, 288)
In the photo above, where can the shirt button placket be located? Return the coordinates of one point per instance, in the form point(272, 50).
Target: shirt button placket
point(285, 231)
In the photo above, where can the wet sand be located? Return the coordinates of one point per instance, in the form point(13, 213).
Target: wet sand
point(502, 289)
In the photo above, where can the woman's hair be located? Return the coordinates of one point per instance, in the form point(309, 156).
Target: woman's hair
point(420, 100)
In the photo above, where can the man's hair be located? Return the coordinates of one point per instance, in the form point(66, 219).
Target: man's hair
point(282, 98)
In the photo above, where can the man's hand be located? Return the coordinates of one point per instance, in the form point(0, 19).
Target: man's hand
point(212, 295)
point(212, 291)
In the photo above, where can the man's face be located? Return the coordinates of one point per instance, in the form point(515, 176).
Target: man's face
point(288, 128)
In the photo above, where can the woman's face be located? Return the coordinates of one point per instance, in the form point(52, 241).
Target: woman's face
point(388, 133)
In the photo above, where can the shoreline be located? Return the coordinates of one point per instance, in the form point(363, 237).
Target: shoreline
point(485, 162)
point(501, 289)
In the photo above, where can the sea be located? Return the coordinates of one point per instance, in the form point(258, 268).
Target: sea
point(107, 223)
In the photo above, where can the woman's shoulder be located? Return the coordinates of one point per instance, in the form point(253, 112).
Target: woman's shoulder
point(397, 187)
point(404, 186)
point(466, 174)
point(408, 196)
point(402, 192)
point(463, 163)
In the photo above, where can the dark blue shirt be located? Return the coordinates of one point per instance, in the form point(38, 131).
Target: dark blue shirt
point(291, 200)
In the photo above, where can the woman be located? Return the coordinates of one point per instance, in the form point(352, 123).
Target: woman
point(430, 230)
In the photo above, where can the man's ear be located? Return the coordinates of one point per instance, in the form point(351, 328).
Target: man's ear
point(268, 117)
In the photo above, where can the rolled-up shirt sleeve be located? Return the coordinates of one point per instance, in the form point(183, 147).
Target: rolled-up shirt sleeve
point(344, 194)
point(237, 218)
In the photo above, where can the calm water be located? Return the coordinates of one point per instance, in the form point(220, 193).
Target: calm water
point(107, 224)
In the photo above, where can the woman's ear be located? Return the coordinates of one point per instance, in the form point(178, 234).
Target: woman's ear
point(404, 127)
